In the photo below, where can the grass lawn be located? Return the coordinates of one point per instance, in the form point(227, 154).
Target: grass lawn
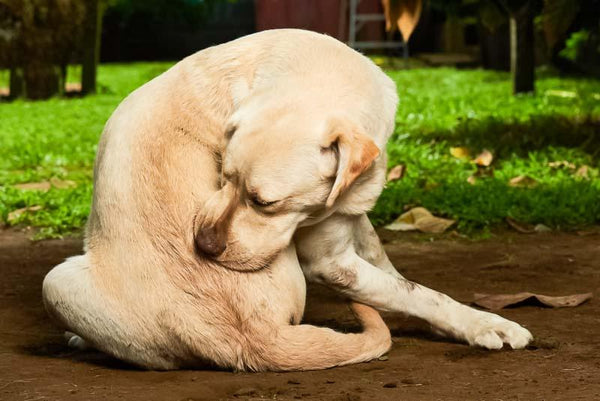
point(54, 142)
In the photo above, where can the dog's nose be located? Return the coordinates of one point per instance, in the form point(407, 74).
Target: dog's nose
point(210, 242)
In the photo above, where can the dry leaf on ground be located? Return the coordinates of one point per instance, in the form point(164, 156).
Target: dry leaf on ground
point(46, 185)
point(14, 215)
point(562, 163)
point(396, 173)
point(460, 153)
point(62, 184)
point(526, 228)
point(523, 181)
point(484, 159)
point(34, 186)
point(420, 219)
point(499, 301)
point(583, 172)
point(559, 93)
point(520, 227)
point(541, 228)
point(472, 179)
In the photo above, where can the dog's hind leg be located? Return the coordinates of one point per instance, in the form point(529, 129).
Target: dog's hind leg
point(74, 299)
point(306, 347)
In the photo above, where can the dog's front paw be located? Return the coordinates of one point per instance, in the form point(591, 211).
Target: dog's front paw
point(492, 332)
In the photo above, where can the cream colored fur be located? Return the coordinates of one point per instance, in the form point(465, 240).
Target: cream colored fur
point(141, 292)
point(217, 185)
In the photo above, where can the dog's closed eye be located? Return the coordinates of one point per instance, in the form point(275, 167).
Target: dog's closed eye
point(258, 201)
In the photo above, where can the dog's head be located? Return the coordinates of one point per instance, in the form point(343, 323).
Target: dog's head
point(283, 167)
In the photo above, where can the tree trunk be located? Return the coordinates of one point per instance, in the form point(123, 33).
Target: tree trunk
point(454, 35)
point(16, 86)
point(91, 46)
point(522, 54)
point(42, 80)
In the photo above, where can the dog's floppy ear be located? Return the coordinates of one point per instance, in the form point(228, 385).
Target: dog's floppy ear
point(356, 152)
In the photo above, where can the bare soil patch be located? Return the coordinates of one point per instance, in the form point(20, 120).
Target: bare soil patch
point(562, 364)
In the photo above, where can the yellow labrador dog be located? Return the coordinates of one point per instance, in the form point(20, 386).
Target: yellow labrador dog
point(223, 183)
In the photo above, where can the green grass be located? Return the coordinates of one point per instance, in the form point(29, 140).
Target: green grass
point(444, 108)
point(439, 109)
point(58, 138)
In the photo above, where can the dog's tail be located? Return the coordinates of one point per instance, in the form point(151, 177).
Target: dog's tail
point(306, 347)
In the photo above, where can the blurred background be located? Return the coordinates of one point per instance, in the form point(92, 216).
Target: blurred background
point(498, 124)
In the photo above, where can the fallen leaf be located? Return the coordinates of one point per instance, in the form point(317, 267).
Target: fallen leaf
point(460, 153)
point(484, 159)
point(396, 173)
point(523, 181)
point(562, 163)
point(540, 228)
point(15, 214)
point(472, 179)
point(520, 227)
point(583, 172)
point(499, 301)
point(420, 219)
point(559, 93)
point(400, 226)
point(34, 186)
point(46, 185)
point(62, 184)
point(583, 233)
point(455, 233)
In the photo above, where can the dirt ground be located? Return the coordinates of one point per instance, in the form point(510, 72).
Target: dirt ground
point(562, 364)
